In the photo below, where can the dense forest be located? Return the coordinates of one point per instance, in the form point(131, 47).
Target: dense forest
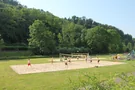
point(44, 33)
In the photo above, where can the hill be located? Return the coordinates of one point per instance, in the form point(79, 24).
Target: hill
point(46, 33)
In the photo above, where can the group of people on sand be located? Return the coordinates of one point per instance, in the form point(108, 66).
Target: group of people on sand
point(29, 63)
point(67, 60)
point(90, 59)
point(116, 57)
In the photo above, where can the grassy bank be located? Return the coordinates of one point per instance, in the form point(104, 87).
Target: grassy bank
point(9, 80)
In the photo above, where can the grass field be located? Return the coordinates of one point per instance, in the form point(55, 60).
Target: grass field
point(59, 80)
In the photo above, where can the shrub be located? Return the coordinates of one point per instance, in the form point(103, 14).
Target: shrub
point(14, 48)
point(73, 50)
point(91, 82)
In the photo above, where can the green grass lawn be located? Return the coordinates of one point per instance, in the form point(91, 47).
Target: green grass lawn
point(59, 80)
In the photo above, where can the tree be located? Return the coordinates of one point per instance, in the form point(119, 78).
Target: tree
point(129, 46)
point(60, 39)
point(15, 20)
point(127, 39)
point(83, 40)
point(12, 2)
point(114, 45)
point(1, 42)
point(124, 47)
point(41, 37)
point(71, 34)
point(97, 39)
point(134, 43)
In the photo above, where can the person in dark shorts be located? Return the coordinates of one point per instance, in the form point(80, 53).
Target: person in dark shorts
point(66, 63)
point(90, 60)
point(116, 57)
point(69, 60)
point(98, 60)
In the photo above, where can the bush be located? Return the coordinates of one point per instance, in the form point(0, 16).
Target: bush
point(91, 82)
point(73, 50)
point(14, 48)
point(15, 54)
point(58, 50)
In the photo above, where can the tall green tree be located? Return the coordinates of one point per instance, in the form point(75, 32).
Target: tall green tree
point(71, 34)
point(1, 42)
point(124, 47)
point(129, 46)
point(77, 32)
point(115, 41)
point(41, 37)
point(97, 39)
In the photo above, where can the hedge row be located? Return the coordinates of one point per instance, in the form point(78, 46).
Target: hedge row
point(62, 50)
point(37, 51)
point(14, 48)
point(73, 50)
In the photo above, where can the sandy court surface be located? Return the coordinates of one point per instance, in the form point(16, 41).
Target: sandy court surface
point(48, 67)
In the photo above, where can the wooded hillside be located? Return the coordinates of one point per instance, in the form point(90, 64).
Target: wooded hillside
point(45, 33)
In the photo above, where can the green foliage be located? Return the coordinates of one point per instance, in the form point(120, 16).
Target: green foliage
point(124, 47)
point(117, 82)
point(114, 45)
point(15, 20)
point(73, 50)
point(14, 48)
point(60, 39)
point(128, 38)
point(98, 39)
point(41, 37)
point(1, 42)
point(71, 34)
point(4, 55)
point(129, 46)
point(12, 2)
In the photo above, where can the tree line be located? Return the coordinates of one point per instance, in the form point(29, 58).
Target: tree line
point(45, 33)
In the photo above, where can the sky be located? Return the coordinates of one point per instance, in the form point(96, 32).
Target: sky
point(118, 13)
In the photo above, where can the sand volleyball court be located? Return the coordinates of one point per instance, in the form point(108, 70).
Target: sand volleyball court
point(59, 66)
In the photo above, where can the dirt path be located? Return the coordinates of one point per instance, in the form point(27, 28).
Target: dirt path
point(48, 67)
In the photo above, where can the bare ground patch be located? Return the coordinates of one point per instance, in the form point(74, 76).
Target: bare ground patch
point(48, 67)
